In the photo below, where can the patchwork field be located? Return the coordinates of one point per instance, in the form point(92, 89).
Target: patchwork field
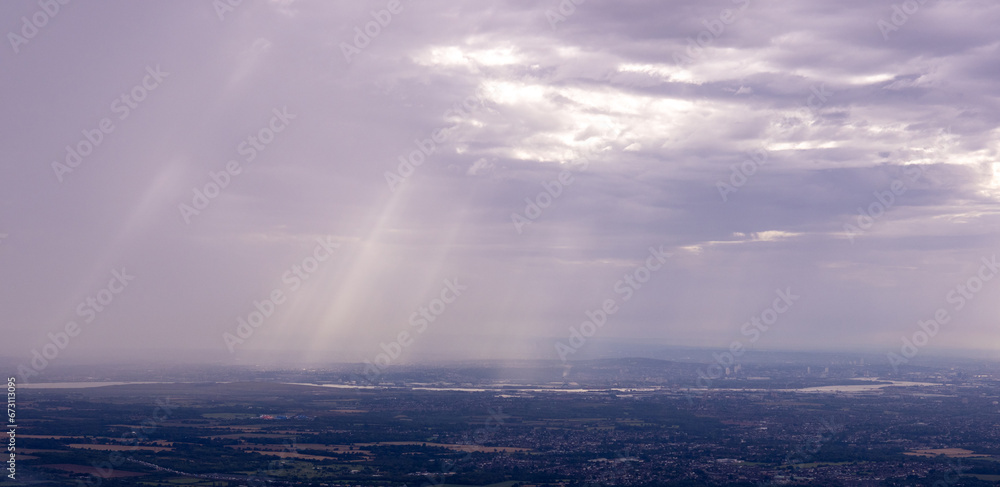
point(948, 452)
point(103, 473)
point(91, 446)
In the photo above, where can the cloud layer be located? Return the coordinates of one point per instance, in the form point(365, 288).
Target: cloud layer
point(534, 150)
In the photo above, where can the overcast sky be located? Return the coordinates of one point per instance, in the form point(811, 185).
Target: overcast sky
point(644, 108)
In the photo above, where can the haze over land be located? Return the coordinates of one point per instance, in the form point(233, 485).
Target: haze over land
point(844, 153)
